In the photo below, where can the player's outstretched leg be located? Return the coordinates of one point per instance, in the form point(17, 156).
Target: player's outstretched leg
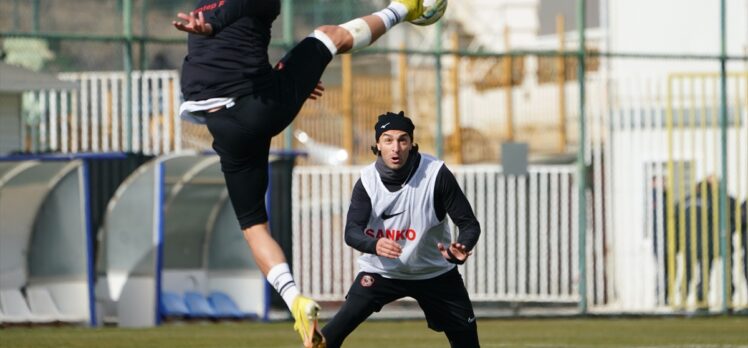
point(363, 31)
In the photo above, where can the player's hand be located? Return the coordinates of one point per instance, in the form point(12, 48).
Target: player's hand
point(193, 24)
point(317, 92)
point(388, 248)
point(456, 253)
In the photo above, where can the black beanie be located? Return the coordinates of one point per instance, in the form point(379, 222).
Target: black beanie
point(390, 121)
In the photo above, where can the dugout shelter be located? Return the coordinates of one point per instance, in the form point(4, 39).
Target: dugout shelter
point(46, 252)
point(170, 228)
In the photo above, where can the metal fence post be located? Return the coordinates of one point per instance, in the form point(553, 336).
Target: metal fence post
point(581, 163)
point(16, 17)
point(723, 205)
point(438, 56)
point(347, 9)
point(287, 10)
point(143, 64)
point(35, 23)
point(127, 92)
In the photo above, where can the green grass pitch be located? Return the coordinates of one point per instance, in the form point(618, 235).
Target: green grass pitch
point(541, 333)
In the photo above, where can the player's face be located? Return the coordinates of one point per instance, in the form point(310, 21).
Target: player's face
point(394, 145)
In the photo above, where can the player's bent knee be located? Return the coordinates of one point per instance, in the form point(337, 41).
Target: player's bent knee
point(336, 33)
point(331, 45)
point(333, 31)
point(338, 36)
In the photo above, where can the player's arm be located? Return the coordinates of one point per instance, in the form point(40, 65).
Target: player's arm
point(233, 10)
point(358, 216)
point(449, 199)
point(212, 20)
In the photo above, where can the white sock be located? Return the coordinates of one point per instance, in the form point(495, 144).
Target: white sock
point(393, 14)
point(360, 31)
point(281, 279)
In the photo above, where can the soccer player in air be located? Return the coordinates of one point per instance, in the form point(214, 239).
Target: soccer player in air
point(397, 218)
point(229, 85)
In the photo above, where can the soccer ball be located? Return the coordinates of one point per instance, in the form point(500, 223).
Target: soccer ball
point(432, 11)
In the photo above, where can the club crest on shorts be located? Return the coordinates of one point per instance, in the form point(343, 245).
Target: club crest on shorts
point(367, 281)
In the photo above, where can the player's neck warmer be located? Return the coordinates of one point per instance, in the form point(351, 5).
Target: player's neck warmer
point(391, 177)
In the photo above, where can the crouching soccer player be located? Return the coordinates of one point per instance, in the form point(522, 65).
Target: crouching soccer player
point(229, 85)
point(397, 219)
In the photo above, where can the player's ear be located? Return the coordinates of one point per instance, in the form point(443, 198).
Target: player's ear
point(415, 147)
point(375, 150)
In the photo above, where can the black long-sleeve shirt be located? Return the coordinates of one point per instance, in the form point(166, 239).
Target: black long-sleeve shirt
point(448, 199)
point(233, 61)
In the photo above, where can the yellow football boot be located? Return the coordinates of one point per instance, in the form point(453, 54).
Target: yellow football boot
point(305, 312)
point(415, 8)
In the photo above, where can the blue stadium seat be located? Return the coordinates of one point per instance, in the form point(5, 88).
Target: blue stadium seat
point(224, 306)
point(172, 305)
point(198, 306)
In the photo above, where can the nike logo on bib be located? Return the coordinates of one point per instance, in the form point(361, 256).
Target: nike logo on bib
point(386, 216)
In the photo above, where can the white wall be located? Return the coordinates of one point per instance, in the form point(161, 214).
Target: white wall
point(674, 26)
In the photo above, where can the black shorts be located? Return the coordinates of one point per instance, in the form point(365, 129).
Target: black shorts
point(242, 133)
point(443, 299)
